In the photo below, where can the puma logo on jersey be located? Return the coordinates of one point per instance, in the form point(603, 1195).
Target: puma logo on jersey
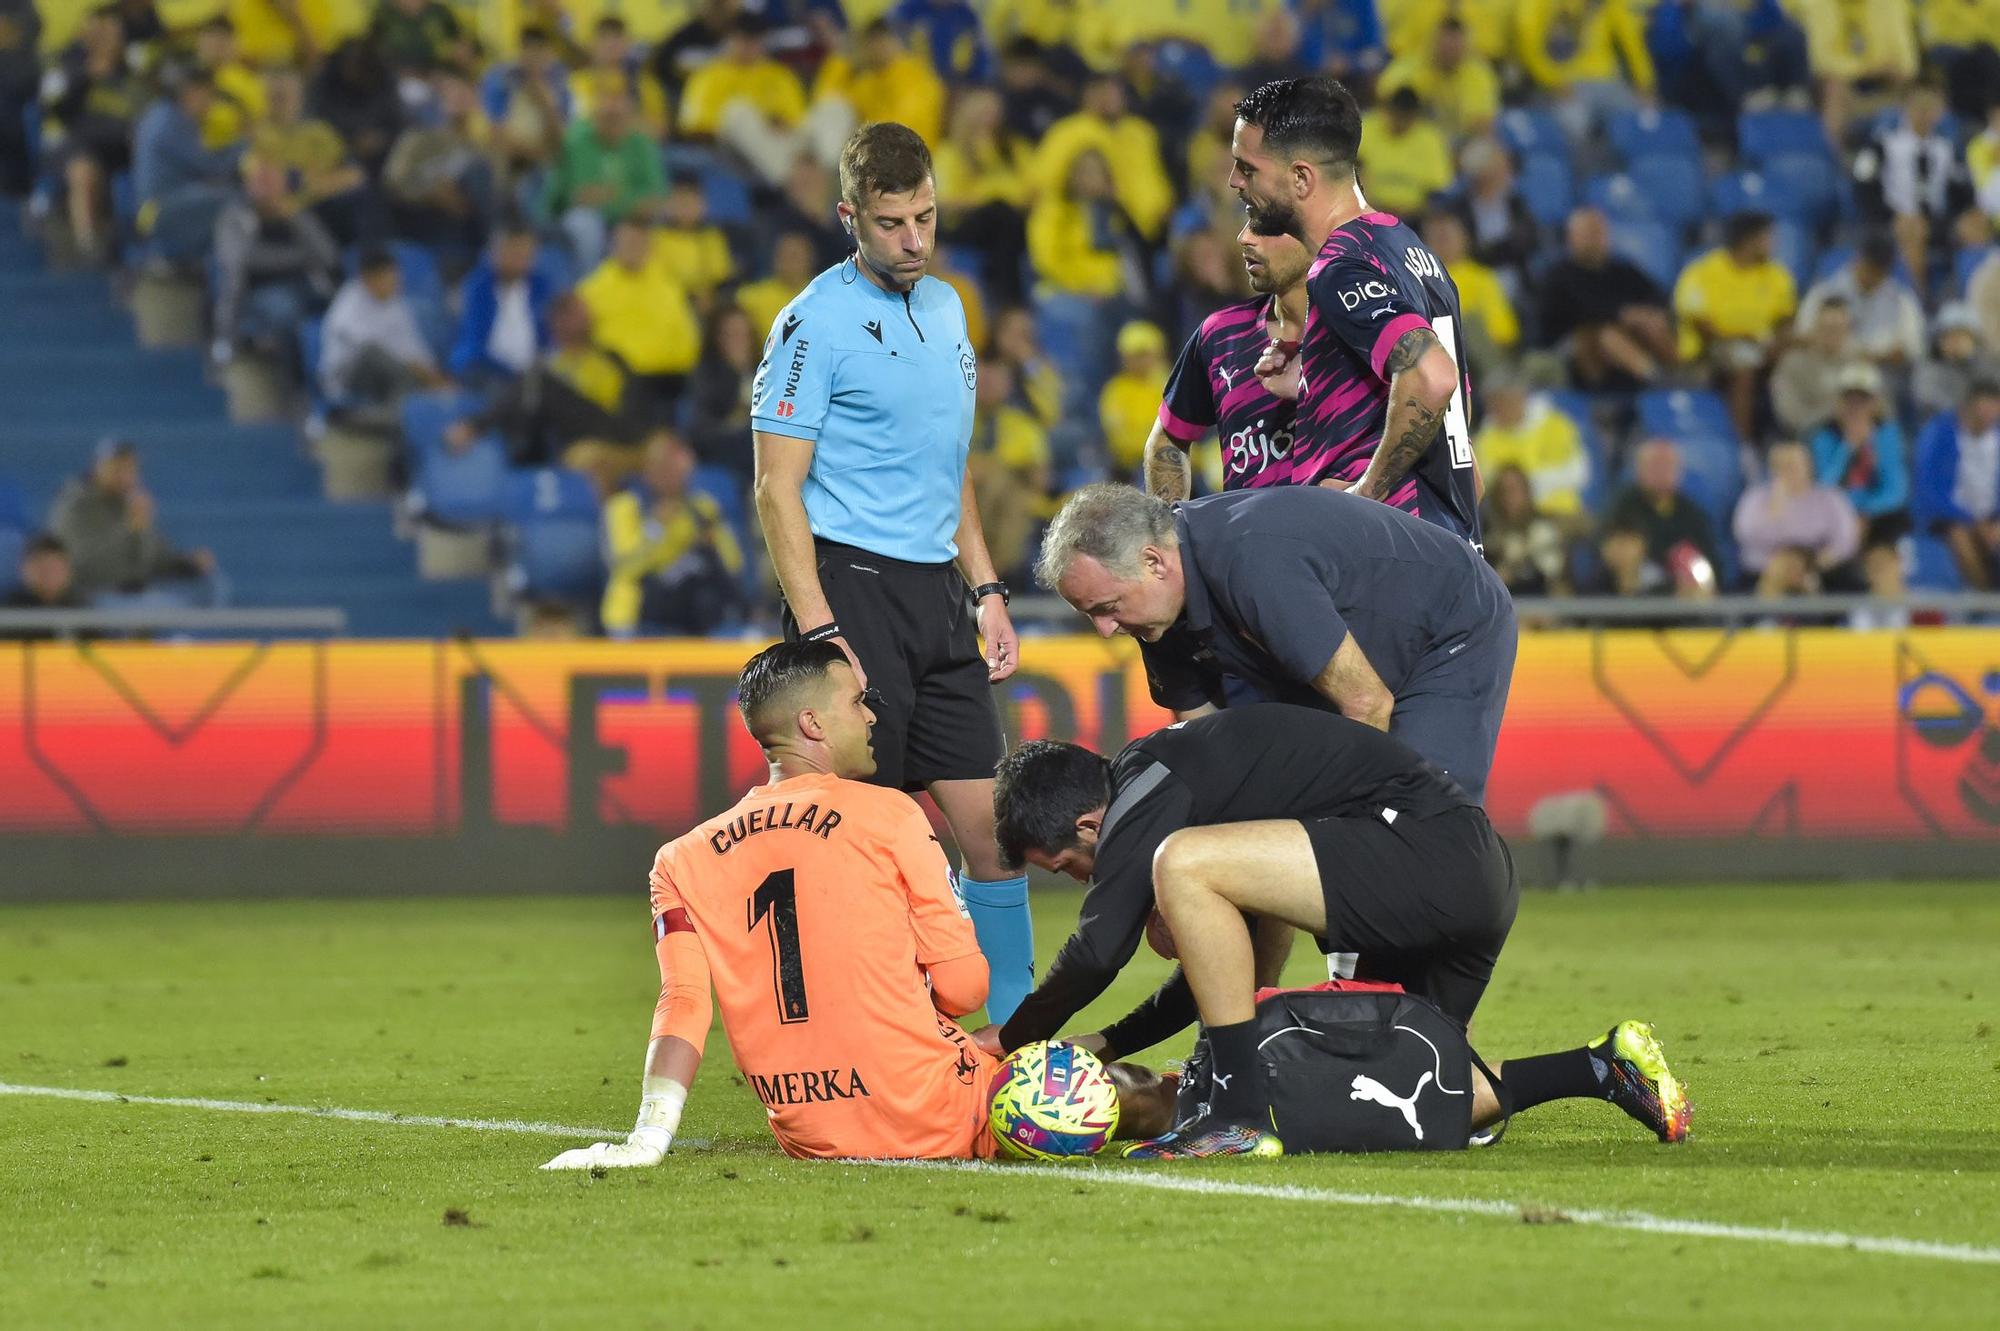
point(1224, 373)
point(1367, 1088)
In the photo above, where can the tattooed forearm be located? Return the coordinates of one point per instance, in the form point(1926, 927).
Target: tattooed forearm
point(1169, 475)
point(1410, 349)
point(1416, 413)
point(1393, 460)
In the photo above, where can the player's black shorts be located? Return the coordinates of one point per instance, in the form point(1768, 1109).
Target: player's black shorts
point(912, 626)
point(1426, 902)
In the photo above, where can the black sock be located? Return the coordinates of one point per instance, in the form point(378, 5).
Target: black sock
point(1239, 1091)
point(1571, 1075)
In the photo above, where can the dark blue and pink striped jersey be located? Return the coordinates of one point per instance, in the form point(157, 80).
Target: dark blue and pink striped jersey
point(1215, 386)
point(1372, 283)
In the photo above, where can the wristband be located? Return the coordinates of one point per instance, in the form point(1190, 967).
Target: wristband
point(660, 1102)
point(824, 633)
point(986, 589)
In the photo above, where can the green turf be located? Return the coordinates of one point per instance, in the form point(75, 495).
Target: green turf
point(1839, 1042)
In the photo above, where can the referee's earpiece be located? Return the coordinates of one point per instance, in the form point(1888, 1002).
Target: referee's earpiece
point(848, 222)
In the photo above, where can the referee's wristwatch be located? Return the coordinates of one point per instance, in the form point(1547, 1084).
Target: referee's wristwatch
point(986, 589)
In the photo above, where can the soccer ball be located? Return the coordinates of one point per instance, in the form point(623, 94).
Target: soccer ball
point(1052, 1101)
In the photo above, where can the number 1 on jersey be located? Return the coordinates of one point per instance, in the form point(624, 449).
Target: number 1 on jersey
point(1457, 432)
point(775, 899)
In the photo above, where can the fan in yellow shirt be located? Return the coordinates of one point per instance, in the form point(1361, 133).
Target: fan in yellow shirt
point(1094, 29)
point(1074, 233)
point(1404, 158)
point(1128, 144)
point(1491, 325)
point(741, 72)
point(640, 313)
point(291, 32)
point(691, 251)
point(1563, 43)
point(1526, 431)
point(1454, 81)
point(239, 93)
point(1734, 303)
point(791, 268)
point(675, 565)
point(884, 80)
point(612, 66)
point(1130, 402)
point(1408, 25)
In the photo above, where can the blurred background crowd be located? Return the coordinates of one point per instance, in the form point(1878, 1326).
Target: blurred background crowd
point(1728, 266)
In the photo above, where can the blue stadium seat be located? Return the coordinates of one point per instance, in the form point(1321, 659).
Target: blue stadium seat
point(14, 509)
point(1807, 186)
point(1654, 246)
point(1965, 263)
point(425, 416)
point(312, 339)
point(728, 197)
point(1750, 192)
point(1836, 257)
point(462, 489)
point(1637, 135)
point(1793, 245)
point(1546, 188)
point(556, 540)
point(1675, 188)
point(1534, 132)
point(725, 487)
point(1577, 407)
point(1762, 135)
point(1621, 199)
point(12, 541)
point(1931, 566)
point(1190, 65)
point(1680, 413)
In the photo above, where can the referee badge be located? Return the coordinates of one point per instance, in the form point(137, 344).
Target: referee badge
point(969, 367)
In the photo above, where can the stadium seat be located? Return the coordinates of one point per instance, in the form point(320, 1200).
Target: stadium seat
point(1674, 187)
point(725, 487)
point(425, 416)
point(1653, 246)
point(1806, 186)
point(1534, 132)
point(1965, 263)
point(1751, 192)
point(462, 489)
point(555, 539)
point(1577, 406)
point(1546, 188)
point(1763, 135)
point(14, 508)
point(1679, 413)
point(1836, 257)
point(1931, 566)
point(1639, 135)
point(728, 197)
point(1621, 199)
point(1190, 65)
point(312, 339)
point(12, 541)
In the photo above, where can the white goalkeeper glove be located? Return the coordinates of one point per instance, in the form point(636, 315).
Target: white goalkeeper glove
point(659, 1119)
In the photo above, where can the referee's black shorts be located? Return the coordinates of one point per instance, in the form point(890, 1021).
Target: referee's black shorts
point(912, 626)
point(1426, 902)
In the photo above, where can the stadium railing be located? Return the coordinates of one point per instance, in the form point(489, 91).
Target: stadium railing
point(328, 620)
point(1724, 611)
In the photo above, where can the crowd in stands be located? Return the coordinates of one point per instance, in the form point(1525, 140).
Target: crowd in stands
point(1728, 266)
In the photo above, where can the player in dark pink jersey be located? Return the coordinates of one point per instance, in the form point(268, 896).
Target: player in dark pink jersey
point(1215, 385)
point(1376, 373)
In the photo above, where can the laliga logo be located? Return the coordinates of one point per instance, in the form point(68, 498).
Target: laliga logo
point(1252, 449)
point(1951, 734)
point(1353, 297)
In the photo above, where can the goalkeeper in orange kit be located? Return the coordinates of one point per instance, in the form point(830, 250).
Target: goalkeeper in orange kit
point(824, 914)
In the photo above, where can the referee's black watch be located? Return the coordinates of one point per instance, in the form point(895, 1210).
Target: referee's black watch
point(986, 589)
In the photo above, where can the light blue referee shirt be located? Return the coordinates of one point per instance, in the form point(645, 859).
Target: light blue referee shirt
point(883, 386)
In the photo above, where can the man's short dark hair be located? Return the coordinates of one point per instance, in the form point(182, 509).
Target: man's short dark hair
point(773, 679)
point(1878, 248)
point(610, 23)
point(376, 258)
point(1313, 117)
point(882, 157)
point(1039, 792)
point(44, 543)
point(1744, 227)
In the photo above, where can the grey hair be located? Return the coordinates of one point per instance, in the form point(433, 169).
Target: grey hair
point(1109, 523)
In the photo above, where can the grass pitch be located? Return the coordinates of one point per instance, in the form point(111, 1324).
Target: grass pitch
point(1839, 1042)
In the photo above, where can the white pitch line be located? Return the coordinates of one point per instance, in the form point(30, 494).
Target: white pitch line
point(1635, 1221)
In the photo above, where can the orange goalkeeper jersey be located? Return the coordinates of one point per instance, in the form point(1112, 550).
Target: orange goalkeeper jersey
point(820, 907)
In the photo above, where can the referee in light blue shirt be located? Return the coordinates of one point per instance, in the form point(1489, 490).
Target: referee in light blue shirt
point(862, 411)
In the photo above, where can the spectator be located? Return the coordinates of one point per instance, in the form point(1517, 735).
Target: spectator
point(1956, 358)
point(1208, 274)
point(693, 44)
point(718, 395)
point(1734, 303)
point(1451, 78)
point(1031, 100)
point(641, 313)
point(1130, 401)
point(1956, 495)
point(1676, 529)
point(951, 35)
point(1038, 384)
point(1888, 318)
point(1490, 28)
point(1612, 316)
point(614, 68)
point(983, 188)
point(970, 295)
point(89, 101)
point(20, 79)
point(371, 351)
point(1592, 57)
point(1861, 451)
point(416, 36)
point(676, 567)
point(528, 102)
point(1524, 432)
point(1710, 58)
point(1805, 386)
point(239, 92)
point(544, 620)
point(1079, 238)
point(570, 405)
point(1274, 48)
point(282, 33)
point(1982, 293)
point(688, 245)
point(182, 185)
point(47, 583)
point(1525, 546)
point(1504, 233)
point(1009, 467)
point(1912, 181)
point(311, 154)
point(1796, 535)
point(609, 170)
point(106, 520)
point(275, 266)
point(1882, 572)
point(755, 105)
point(439, 178)
point(1127, 145)
point(1982, 166)
point(1958, 37)
point(805, 202)
point(1873, 44)
point(503, 323)
point(1625, 569)
point(355, 92)
point(1343, 38)
point(1404, 157)
point(793, 264)
point(1491, 326)
point(884, 80)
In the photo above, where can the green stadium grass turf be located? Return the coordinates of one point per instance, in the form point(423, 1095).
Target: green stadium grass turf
point(1839, 1042)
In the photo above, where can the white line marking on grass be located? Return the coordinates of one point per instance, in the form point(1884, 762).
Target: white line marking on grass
point(1639, 1221)
point(1636, 1221)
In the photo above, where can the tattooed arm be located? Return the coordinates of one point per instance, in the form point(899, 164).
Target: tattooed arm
point(1169, 475)
point(1422, 378)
